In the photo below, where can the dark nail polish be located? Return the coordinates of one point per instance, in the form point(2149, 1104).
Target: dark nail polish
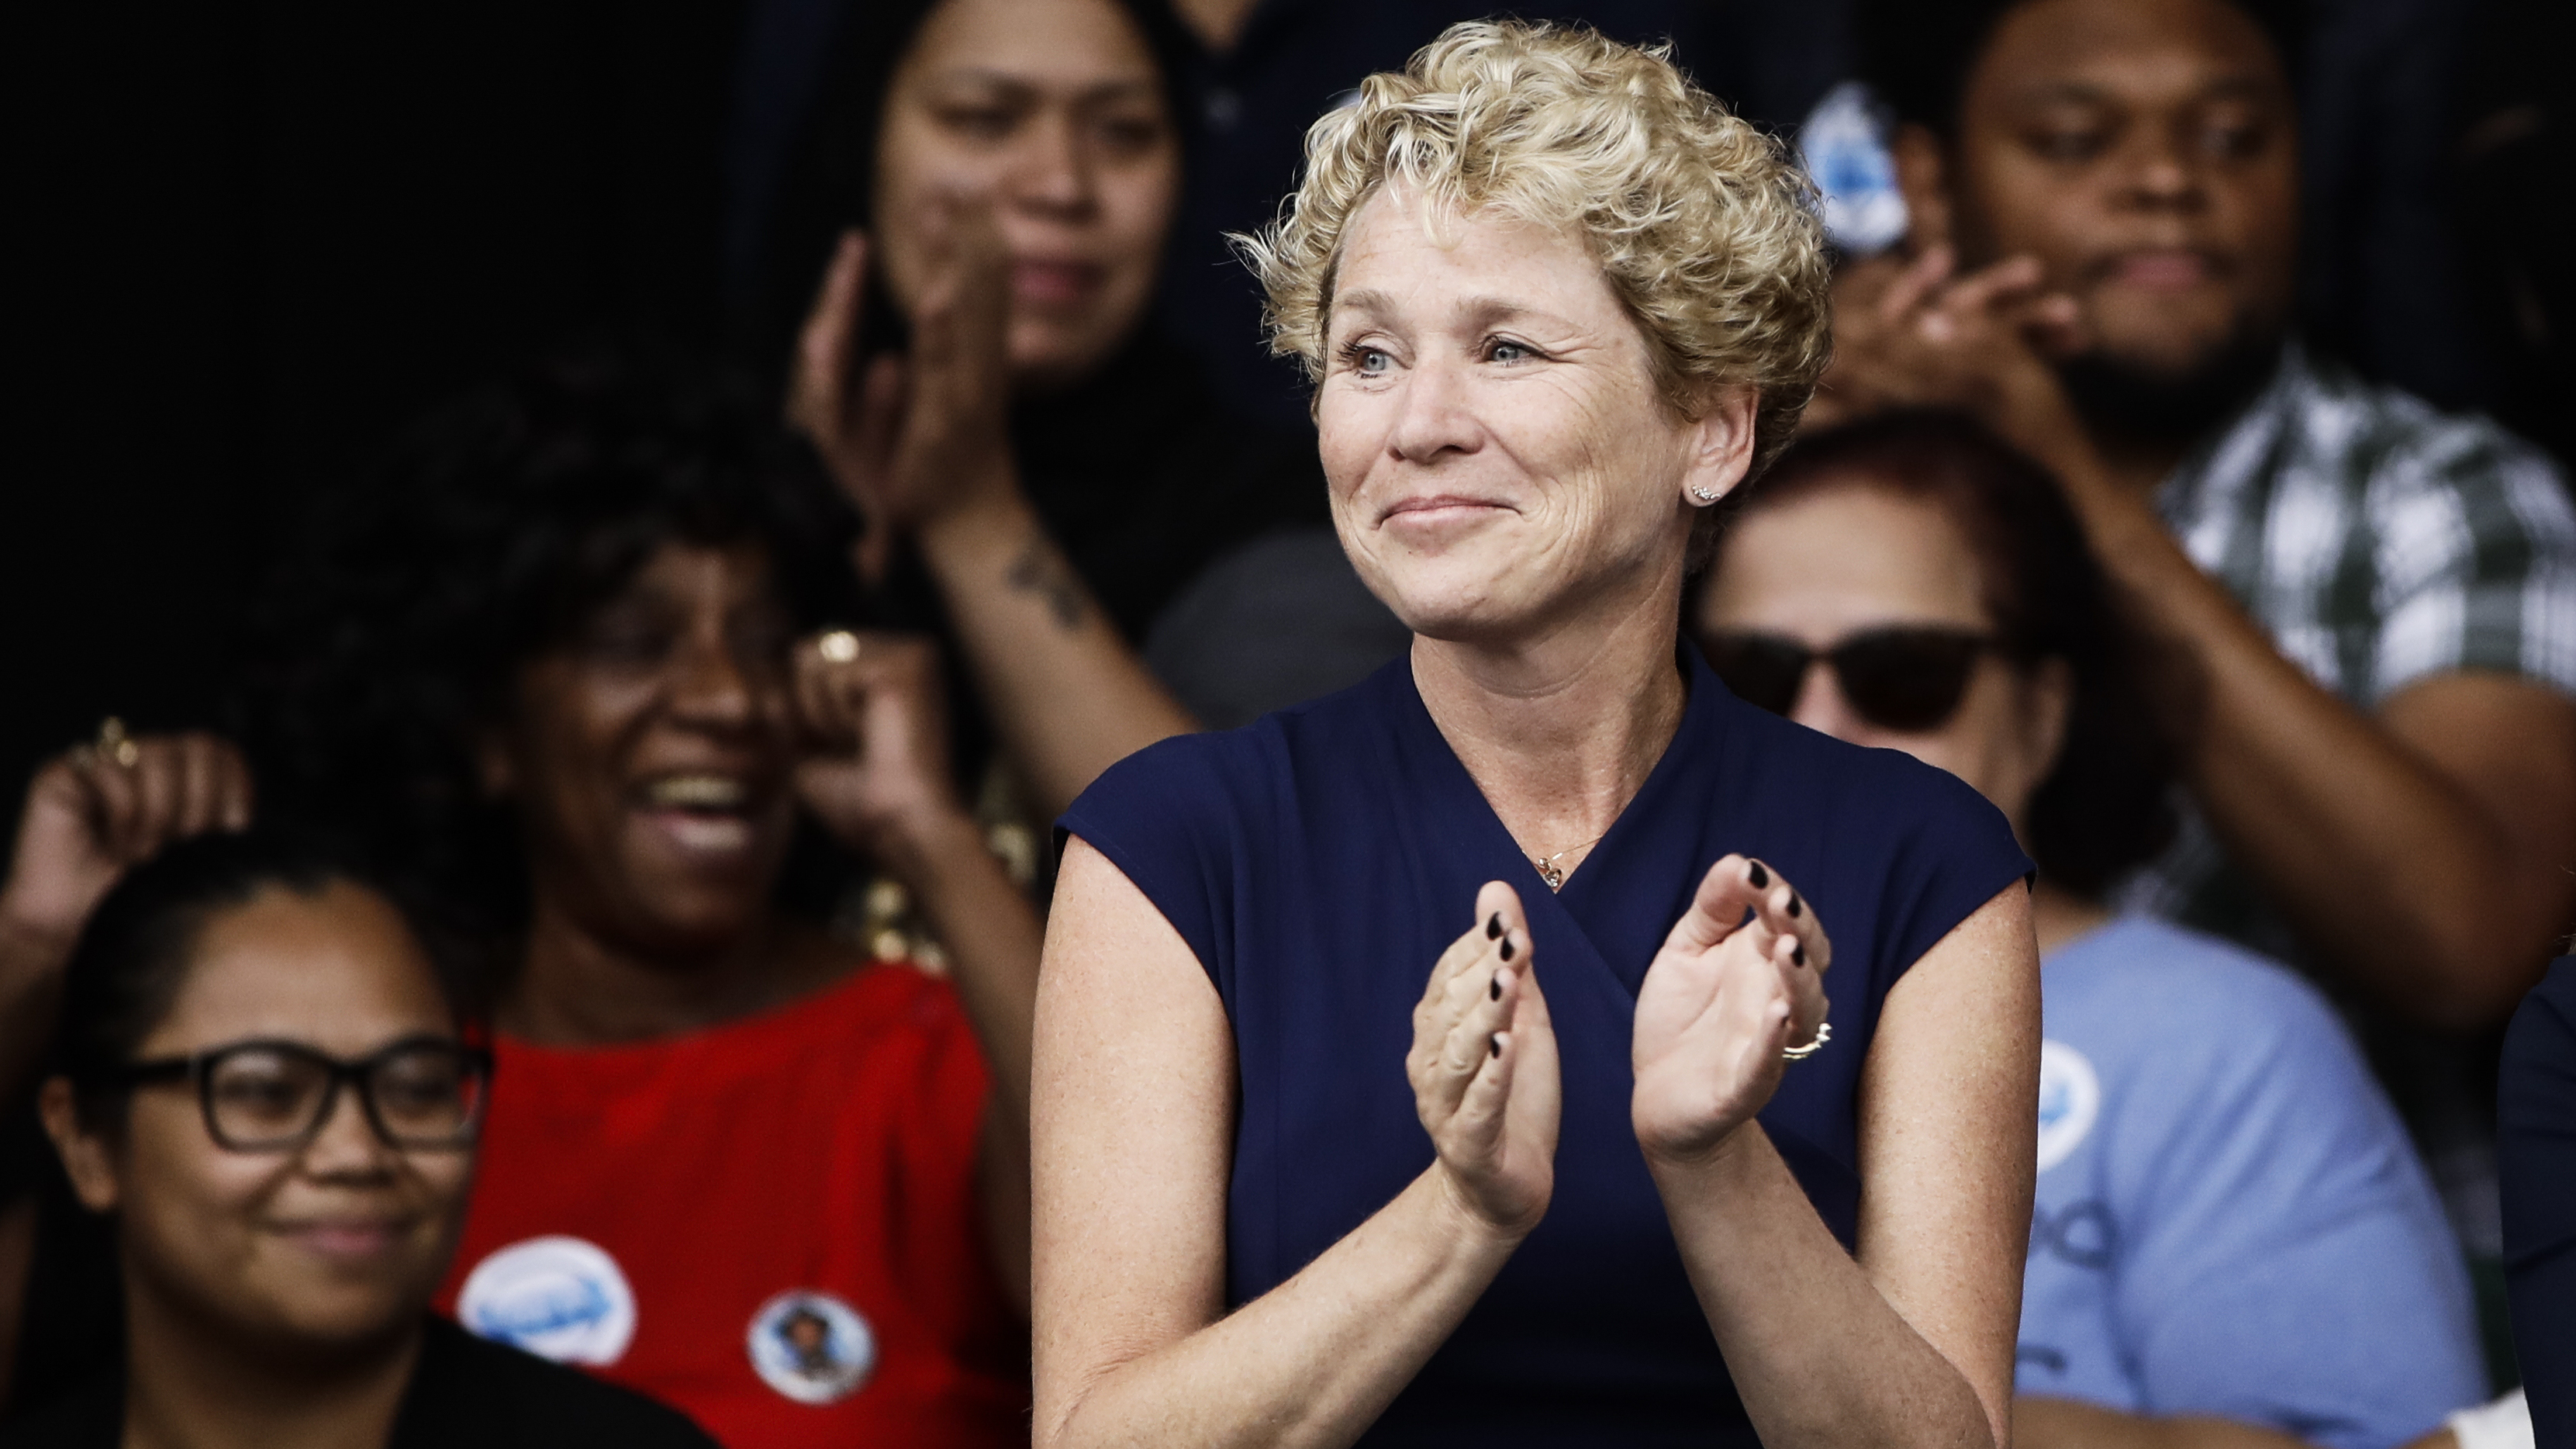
point(1799, 955)
point(1507, 948)
point(1494, 988)
point(1496, 1043)
point(1761, 877)
point(1494, 927)
point(1796, 908)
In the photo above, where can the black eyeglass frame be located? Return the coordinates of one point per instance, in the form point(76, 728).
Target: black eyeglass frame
point(199, 1068)
point(1973, 644)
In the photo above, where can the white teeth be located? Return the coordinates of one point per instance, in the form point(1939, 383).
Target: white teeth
point(709, 835)
point(697, 792)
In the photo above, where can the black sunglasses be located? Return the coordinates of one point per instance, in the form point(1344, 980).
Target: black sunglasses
point(273, 1096)
point(1909, 678)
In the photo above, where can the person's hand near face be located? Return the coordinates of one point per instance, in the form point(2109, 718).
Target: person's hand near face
point(1025, 176)
point(922, 438)
point(91, 814)
point(872, 707)
point(2121, 189)
point(2145, 156)
point(1025, 179)
point(97, 809)
point(1912, 333)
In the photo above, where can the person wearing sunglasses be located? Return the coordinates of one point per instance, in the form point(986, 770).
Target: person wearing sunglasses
point(2233, 1241)
point(260, 1074)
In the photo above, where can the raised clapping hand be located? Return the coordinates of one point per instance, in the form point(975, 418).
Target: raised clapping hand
point(927, 433)
point(95, 811)
point(877, 776)
point(1722, 1000)
point(1484, 1068)
point(1915, 334)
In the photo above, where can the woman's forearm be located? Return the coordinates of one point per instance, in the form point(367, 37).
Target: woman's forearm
point(1820, 1357)
point(992, 937)
point(1068, 694)
point(1313, 1362)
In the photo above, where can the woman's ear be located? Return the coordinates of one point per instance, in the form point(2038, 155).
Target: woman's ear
point(87, 1160)
point(1923, 174)
point(1721, 446)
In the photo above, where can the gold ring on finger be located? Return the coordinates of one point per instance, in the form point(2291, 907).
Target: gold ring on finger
point(840, 646)
point(1824, 1034)
point(115, 744)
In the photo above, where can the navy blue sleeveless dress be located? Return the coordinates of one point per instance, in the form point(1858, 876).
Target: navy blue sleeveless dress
point(1320, 859)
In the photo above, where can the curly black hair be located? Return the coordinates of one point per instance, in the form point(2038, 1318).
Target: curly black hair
point(2106, 806)
point(1917, 54)
point(390, 641)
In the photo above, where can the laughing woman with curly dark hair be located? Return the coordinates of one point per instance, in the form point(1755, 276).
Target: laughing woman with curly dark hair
point(561, 670)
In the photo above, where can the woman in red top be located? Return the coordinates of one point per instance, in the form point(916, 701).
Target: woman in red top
point(554, 672)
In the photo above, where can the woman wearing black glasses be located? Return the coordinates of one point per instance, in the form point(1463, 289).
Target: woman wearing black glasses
point(259, 1073)
point(2230, 1224)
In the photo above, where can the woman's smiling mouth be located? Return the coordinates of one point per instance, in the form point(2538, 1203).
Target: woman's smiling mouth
point(1440, 510)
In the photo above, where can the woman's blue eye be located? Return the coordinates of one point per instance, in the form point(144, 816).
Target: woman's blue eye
point(1508, 352)
point(1370, 361)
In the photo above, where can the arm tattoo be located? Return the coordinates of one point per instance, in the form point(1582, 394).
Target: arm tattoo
point(1042, 571)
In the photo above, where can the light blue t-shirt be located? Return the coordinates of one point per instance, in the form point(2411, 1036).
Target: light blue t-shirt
point(2230, 1219)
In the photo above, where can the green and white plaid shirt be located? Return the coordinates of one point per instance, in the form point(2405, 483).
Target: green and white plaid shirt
point(2380, 541)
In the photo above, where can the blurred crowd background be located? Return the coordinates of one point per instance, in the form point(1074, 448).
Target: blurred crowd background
point(254, 238)
point(255, 241)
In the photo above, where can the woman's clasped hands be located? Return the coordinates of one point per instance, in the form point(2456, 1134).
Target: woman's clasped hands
point(1739, 982)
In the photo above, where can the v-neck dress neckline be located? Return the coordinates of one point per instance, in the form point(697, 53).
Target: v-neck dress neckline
point(1586, 903)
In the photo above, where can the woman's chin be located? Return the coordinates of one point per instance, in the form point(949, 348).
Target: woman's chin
point(1462, 618)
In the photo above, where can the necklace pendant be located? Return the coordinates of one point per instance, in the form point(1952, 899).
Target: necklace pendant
point(1548, 872)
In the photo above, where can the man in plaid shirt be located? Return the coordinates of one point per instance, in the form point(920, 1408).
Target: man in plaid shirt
point(2379, 601)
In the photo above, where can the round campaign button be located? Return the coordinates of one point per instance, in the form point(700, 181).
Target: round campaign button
point(2070, 1097)
point(811, 1346)
point(561, 1298)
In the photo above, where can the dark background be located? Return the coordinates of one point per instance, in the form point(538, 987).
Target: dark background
point(247, 240)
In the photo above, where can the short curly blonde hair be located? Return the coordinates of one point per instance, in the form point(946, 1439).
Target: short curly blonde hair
point(1705, 228)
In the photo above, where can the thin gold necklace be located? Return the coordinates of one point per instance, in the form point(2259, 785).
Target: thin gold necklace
point(1547, 870)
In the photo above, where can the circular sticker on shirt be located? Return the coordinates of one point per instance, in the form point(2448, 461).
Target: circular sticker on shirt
point(557, 1297)
point(2070, 1097)
point(811, 1346)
